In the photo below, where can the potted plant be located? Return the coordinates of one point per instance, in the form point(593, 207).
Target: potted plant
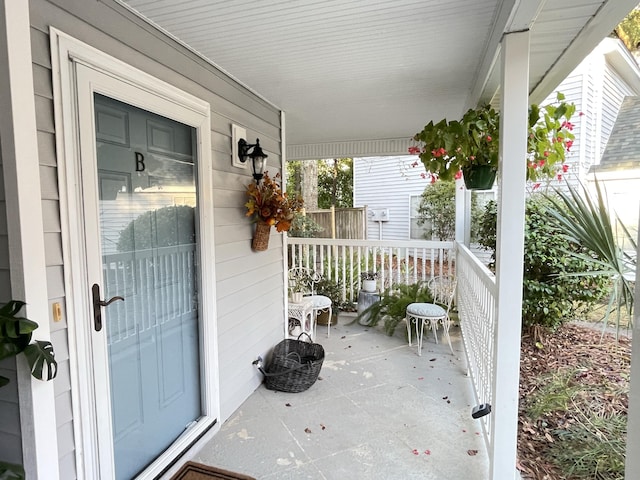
point(470, 147)
point(369, 281)
point(15, 338)
point(332, 289)
point(299, 284)
point(392, 306)
point(269, 206)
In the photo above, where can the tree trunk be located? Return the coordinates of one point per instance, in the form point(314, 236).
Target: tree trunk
point(309, 184)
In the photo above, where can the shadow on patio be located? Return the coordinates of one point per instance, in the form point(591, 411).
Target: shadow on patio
point(377, 411)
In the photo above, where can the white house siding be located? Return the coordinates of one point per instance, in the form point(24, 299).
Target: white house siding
point(10, 444)
point(597, 90)
point(248, 325)
point(387, 183)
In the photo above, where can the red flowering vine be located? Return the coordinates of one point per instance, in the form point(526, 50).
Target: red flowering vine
point(474, 140)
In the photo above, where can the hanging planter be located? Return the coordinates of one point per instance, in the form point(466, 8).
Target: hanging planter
point(447, 148)
point(269, 206)
point(479, 177)
point(261, 237)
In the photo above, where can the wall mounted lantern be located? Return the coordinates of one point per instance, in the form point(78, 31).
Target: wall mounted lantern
point(257, 156)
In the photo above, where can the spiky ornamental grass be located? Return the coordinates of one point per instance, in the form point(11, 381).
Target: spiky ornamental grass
point(585, 219)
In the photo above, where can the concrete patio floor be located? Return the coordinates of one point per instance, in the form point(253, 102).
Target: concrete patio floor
point(377, 411)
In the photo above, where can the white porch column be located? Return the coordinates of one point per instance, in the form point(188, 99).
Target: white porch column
point(632, 464)
point(25, 231)
point(510, 252)
point(463, 213)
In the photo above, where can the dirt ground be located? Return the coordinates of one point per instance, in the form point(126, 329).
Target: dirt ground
point(596, 361)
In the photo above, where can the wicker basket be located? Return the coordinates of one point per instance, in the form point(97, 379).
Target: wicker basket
point(294, 365)
point(261, 237)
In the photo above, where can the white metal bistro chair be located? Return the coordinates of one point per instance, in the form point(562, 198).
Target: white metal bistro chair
point(305, 280)
point(443, 289)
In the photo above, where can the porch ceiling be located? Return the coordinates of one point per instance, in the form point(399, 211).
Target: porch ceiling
point(358, 71)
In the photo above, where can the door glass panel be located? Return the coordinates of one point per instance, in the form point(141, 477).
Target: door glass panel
point(148, 204)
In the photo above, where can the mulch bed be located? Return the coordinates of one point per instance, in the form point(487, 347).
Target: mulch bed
point(596, 361)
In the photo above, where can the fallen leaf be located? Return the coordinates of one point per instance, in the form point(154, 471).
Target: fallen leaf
point(427, 452)
point(420, 378)
point(344, 336)
point(471, 453)
point(307, 430)
point(444, 398)
point(415, 451)
point(322, 426)
point(287, 404)
point(432, 360)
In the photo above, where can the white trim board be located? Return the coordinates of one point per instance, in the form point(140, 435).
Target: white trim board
point(26, 233)
point(127, 84)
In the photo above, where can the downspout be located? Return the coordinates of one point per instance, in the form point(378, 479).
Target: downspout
point(285, 241)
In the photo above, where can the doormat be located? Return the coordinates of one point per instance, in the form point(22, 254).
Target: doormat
point(198, 471)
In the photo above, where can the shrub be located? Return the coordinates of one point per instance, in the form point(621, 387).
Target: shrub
point(164, 227)
point(304, 226)
point(553, 293)
point(438, 211)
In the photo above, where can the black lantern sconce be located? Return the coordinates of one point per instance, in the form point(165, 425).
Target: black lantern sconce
point(257, 156)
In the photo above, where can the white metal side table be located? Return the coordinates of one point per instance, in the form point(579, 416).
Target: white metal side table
point(300, 316)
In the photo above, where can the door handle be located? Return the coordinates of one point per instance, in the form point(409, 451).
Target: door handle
point(98, 304)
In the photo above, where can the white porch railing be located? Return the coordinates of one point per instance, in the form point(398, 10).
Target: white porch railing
point(395, 261)
point(159, 286)
point(404, 262)
point(476, 302)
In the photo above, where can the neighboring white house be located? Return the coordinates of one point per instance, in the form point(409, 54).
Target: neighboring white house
point(597, 87)
point(390, 187)
point(619, 170)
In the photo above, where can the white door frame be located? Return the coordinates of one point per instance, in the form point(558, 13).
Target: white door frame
point(121, 80)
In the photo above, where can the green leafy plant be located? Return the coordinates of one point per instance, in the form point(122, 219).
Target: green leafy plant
point(164, 227)
point(583, 218)
point(437, 209)
point(332, 289)
point(393, 304)
point(369, 275)
point(447, 147)
point(11, 471)
point(552, 292)
point(15, 338)
point(304, 226)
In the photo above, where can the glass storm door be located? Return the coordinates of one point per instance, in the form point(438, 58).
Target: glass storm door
point(147, 199)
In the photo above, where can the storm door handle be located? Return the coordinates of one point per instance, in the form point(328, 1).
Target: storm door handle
point(98, 304)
